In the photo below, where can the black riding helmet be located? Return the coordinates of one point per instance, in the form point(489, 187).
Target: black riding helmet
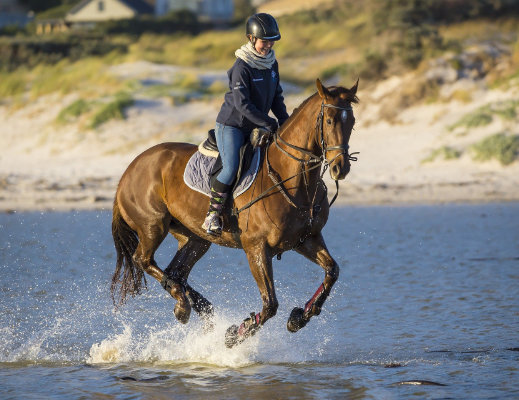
point(263, 26)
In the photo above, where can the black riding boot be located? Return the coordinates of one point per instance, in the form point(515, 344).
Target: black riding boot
point(213, 220)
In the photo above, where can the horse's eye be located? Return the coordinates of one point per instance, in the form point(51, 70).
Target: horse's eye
point(329, 121)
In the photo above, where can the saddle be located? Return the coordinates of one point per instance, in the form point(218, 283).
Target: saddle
point(209, 148)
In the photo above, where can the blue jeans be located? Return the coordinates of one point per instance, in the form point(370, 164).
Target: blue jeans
point(229, 140)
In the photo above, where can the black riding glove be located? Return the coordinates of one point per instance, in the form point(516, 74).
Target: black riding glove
point(272, 126)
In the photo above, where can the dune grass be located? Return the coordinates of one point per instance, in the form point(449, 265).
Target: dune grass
point(88, 76)
point(443, 153)
point(112, 110)
point(12, 84)
point(501, 147)
point(73, 111)
point(481, 117)
point(506, 110)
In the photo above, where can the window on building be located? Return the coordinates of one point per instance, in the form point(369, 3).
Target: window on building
point(101, 5)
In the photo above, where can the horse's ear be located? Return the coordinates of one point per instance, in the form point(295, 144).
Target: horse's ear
point(354, 88)
point(321, 89)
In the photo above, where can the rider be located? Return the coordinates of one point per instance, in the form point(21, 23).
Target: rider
point(254, 91)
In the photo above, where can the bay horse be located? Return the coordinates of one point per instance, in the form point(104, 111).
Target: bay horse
point(289, 210)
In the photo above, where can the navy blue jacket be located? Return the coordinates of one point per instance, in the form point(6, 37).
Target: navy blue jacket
point(253, 93)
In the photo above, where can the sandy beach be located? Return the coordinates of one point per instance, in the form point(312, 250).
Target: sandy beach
point(47, 166)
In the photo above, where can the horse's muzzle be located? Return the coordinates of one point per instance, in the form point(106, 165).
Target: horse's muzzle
point(339, 169)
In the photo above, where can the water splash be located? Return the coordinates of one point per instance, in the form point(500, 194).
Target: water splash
point(174, 343)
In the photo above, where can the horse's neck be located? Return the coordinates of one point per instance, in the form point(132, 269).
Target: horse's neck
point(299, 132)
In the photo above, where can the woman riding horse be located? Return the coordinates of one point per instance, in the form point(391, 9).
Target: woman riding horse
point(284, 209)
point(254, 90)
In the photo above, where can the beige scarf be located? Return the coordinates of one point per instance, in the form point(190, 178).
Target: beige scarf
point(248, 53)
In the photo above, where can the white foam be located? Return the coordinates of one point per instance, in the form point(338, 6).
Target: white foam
point(174, 343)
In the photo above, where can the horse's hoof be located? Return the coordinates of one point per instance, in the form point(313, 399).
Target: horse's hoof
point(231, 336)
point(296, 320)
point(182, 313)
point(235, 335)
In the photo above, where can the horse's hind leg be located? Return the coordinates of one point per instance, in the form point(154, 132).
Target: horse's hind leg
point(151, 236)
point(315, 250)
point(190, 250)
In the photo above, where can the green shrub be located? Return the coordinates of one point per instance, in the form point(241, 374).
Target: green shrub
point(507, 109)
point(481, 117)
point(444, 153)
point(484, 115)
point(73, 111)
point(501, 147)
point(32, 51)
point(112, 110)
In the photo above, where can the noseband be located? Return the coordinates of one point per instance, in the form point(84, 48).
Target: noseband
point(319, 127)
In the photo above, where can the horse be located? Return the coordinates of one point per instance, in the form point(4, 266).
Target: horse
point(289, 209)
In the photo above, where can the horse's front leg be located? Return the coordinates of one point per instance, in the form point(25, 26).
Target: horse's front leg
point(260, 263)
point(315, 250)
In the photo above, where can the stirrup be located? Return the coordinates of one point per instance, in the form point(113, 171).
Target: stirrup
point(212, 224)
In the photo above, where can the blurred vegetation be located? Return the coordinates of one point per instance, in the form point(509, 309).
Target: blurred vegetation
point(443, 153)
point(73, 111)
point(373, 39)
point(43, 5)
point(506, 110)
point(501, 147)
point(112, 110)
point(34, 51)
point(88, 76)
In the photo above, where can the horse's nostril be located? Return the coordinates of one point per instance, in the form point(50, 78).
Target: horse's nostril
point(336, 170)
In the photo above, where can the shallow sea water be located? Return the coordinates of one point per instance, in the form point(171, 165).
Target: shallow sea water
point(426, 294)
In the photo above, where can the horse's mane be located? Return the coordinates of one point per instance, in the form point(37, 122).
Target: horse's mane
point(348, 96)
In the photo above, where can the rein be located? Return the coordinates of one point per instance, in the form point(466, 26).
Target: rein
point(318, 161)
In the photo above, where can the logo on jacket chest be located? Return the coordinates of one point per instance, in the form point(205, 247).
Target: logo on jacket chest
point(261, 79)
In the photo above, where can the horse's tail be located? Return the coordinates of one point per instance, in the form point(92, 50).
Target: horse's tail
point(128, 278)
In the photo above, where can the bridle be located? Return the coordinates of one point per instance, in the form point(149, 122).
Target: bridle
point(313, 158)
point(320, 127)
point(312, 161)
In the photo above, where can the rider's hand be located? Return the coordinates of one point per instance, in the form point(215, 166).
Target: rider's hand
point(273, 126)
